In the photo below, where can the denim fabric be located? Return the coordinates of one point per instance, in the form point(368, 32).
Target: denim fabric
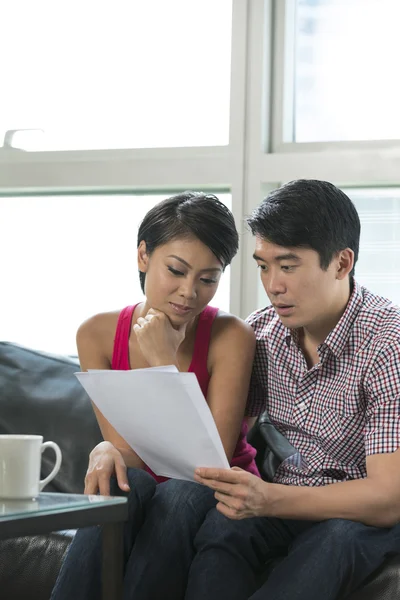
point(163, 520)
point(177, 545)
point(325, 560)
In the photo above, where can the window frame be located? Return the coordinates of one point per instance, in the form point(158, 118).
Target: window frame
point(255, 160)
point(282, 108)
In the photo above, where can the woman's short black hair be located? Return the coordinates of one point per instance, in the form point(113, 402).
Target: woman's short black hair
point(191, 214)
point(311, 214)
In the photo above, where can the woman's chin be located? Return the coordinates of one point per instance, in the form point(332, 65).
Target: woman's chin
point(178, 320)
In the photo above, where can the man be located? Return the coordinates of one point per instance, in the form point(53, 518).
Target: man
point(327, 369)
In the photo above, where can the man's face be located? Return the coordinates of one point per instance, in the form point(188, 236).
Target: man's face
point(302, 293)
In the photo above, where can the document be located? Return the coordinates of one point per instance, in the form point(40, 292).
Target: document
point(163, 416)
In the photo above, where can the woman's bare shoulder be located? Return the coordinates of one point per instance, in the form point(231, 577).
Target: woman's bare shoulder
point(229, 334)
point(228, 324)
point(230, 337)
point(100, 325)
point(95, 338)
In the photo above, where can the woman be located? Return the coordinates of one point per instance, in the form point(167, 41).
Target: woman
point(184, 245)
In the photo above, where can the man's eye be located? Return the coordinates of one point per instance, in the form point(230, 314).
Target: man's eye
point(287, 267)
point(262, 267)
point(175, 272)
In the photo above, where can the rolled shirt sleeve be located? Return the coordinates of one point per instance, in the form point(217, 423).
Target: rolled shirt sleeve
point(382, 429)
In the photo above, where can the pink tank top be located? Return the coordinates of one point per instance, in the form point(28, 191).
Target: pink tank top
point(244, 454)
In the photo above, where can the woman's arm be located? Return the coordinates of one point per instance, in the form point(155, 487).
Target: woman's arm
point(230, 362)
point(95, 343)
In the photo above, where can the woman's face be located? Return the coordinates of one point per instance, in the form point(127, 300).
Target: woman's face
point(182, 277)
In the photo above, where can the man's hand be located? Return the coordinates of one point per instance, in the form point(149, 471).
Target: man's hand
point(240, 494)
point(158, 339)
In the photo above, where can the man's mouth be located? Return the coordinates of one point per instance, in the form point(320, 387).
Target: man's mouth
point(283, 309)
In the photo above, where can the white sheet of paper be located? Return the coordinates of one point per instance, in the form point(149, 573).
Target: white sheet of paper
point(162, 414)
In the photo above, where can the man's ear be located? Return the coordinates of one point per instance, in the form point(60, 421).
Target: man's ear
point(143, 257)
point(345, 263)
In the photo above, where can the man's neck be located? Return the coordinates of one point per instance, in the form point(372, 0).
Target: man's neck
point(311, 336)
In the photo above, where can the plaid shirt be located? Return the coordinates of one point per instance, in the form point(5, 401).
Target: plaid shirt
point(344, 408)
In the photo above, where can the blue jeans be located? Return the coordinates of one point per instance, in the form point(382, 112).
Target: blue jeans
point(327, 559)
point(177, 545)
point(158, 542)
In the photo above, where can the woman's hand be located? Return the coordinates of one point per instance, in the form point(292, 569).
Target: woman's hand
point(158, 339)
point(104, 461)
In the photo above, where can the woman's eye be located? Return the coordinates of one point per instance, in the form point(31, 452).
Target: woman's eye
point(175, 272)
point(208, 281)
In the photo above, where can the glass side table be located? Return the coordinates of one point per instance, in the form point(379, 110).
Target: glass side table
point(54, 512)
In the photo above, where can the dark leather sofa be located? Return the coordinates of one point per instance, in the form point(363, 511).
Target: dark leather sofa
point(40, 395)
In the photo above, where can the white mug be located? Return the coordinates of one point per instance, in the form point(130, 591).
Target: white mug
point(20, 460)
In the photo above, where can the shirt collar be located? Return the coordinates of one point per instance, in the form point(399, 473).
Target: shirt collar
point(337, 338)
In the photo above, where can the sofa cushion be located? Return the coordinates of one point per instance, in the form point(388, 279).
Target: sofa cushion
point(39, 394)
point(29, 565)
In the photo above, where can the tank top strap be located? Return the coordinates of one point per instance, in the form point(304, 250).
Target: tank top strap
point(120, 357)
point(202, 340)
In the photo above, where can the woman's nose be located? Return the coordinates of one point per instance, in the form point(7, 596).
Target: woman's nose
point(188, 289)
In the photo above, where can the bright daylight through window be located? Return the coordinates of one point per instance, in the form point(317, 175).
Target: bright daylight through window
point(346, 63)
point(119, 84)
point(64, 269)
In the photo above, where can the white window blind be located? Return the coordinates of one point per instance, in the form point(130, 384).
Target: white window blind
point(378, 266)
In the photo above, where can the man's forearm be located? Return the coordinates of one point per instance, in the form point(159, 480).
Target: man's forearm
point(362, 500)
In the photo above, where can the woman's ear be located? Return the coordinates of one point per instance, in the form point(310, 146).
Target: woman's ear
point(143, 257)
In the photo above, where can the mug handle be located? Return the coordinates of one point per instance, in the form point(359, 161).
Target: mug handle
point(56, 467)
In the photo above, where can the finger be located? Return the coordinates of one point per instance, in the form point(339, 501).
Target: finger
point(228, 512)
point(91, 486)
point(122, 479)
point(153, 312)
point(218, 486)
point(225, 475)
point(104, 485)
point(230, 501)
point(208, 482)
point(141, 321)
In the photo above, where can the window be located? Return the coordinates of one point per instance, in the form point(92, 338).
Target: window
point(346, 63)
point(198, 94)
point(120, 74)
point(378, 267)
point(70, 257)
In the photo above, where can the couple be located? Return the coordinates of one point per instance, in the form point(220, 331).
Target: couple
point(324, 359)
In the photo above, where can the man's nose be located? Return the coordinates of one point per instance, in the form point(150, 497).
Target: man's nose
point(274, 285)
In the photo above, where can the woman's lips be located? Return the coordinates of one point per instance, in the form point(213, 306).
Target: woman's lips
point(180, 309)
